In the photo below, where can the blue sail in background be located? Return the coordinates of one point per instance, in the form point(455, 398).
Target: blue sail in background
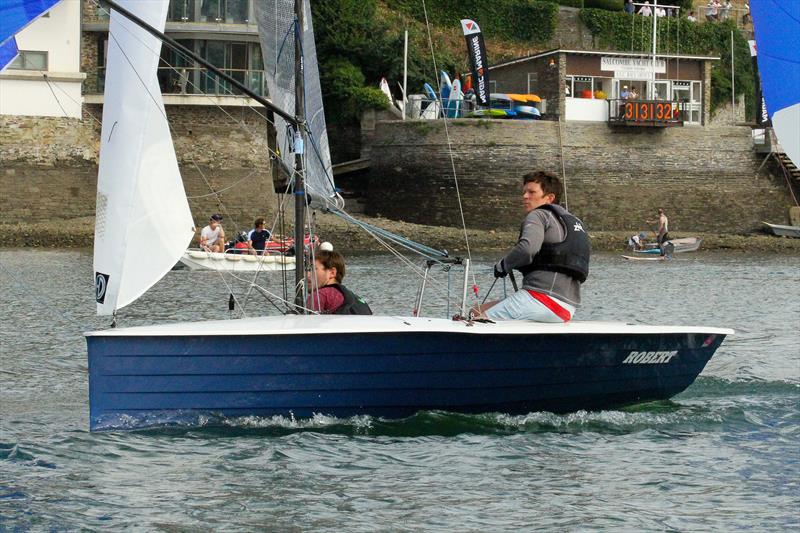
point(777, 29)
point(14, 16)
point(8, 51)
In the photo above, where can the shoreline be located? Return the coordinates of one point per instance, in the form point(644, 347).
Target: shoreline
point(79, 233)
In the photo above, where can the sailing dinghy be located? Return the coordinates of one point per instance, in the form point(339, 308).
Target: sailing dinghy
point(302, 364)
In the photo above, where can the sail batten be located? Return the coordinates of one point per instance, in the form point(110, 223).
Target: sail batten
point(143, 222)
point(276, 26)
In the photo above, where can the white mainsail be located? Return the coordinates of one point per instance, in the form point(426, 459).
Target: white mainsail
point(275, 27)
point(143, 222)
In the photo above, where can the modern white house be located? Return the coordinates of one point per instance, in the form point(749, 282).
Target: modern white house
point(45, 79)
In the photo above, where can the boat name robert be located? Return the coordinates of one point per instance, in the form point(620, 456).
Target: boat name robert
point(643, 358)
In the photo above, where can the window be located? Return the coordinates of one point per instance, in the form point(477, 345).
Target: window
point(181, 11)
point(227, 11)
point(582, 87)
point(29, 60)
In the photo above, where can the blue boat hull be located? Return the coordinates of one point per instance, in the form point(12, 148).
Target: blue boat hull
point(393, 375)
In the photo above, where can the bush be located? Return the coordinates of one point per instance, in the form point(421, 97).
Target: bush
point(610, 5)
point(340, 77)
point(521, 20)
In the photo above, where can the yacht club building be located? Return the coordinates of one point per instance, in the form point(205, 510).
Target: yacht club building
point(591, 85)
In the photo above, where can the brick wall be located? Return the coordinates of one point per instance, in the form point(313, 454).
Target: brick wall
point(704, 178)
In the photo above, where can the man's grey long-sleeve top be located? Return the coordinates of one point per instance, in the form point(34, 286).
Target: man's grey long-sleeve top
point(542, 226)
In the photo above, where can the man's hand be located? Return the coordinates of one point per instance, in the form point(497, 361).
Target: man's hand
point(499, 270)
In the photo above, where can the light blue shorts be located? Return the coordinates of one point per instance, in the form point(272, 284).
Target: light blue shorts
point(522, 306)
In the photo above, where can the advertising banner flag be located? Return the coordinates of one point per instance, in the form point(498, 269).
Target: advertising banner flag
point(477, 55)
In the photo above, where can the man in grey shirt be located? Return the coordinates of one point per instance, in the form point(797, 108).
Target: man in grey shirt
point(552, 253)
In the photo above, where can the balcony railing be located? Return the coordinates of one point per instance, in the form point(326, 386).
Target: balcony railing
point(198, 81)
point(654, 113)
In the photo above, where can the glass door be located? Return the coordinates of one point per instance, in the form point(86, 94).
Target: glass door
point(661, 90)
point(682, 94)
point(696, 102)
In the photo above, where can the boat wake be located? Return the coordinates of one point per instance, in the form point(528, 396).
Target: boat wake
point(707, 405)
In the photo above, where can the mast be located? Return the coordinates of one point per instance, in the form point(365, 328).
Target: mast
point(299, 185)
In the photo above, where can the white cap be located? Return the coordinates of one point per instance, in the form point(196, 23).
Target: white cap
point(326, 247)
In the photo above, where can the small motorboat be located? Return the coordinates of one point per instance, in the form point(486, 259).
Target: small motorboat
point(782, 231)
point(682, 245)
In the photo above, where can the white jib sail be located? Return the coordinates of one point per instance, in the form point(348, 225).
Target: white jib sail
point(143, 222)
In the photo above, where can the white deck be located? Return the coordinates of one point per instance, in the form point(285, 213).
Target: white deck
point(327, 324)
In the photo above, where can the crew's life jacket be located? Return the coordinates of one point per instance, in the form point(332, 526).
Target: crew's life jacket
point(571, 256)
point(353, 304)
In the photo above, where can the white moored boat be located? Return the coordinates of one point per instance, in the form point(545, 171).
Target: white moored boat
point(202, 260)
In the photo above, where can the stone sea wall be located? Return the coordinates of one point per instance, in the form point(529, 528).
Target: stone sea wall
point(48, 166)
point(706, 179)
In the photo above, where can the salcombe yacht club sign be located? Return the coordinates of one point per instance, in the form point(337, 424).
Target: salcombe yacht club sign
point(633, 68)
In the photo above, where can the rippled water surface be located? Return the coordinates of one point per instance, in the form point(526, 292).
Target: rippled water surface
point(723, 455)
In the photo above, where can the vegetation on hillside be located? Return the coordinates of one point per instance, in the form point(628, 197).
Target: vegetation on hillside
point(361, 41)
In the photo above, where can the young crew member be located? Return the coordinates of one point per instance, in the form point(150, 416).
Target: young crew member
point(552, 253)
point(258, 237)
point(327, 294)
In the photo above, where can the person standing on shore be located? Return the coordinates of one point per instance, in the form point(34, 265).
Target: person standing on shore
point(212, 237)
point(552, 253)
point(662, 233)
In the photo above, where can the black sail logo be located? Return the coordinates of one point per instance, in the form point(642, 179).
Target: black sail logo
point(100, 287)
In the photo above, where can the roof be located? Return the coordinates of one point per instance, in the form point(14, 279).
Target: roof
point(601, 53)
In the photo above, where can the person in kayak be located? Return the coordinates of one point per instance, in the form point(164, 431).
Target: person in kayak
point(327, 294)
point(552, 253)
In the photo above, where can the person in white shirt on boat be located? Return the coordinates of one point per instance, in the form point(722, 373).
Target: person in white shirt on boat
point(552, 253)
point(212, 237)
point(646, 10)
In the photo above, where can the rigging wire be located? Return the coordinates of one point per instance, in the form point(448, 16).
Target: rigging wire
point(449, 141)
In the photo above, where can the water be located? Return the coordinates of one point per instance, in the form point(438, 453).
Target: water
point(723, 455)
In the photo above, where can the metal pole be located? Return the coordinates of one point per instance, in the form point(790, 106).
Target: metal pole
point(421, 293)
point(185, 51)
point(655, 38)
point(299, 185)
point(466, 285)
point(405, 74)
point(733, 82)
